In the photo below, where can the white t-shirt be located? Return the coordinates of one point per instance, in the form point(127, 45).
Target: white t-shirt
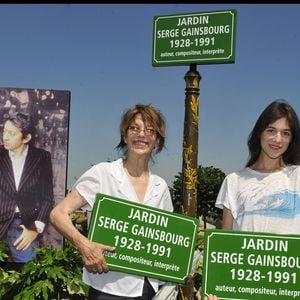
point(263, 202)
point(111, 179)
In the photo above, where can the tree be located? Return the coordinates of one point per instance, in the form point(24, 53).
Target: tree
point(208, 186)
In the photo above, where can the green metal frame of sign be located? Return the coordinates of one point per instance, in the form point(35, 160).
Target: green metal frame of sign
point(196, 38)
point(149, 241)
point(244, 265)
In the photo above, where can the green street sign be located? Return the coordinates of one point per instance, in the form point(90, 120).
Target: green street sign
point(149, 241)
point(196, 38)
point(244, 265)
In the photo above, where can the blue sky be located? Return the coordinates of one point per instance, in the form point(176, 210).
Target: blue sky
point(102, 53)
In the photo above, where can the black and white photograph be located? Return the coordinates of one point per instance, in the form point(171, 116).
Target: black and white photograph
point(33, 162)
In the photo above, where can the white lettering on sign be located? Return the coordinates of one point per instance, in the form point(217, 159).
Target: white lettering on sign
point(195, 31)
point(265, 245)
point(160, 235)
point(166, 33)
point(113, 224)
point(274, 261)
point(227, 258)
point(193, 20)
point(148, 217)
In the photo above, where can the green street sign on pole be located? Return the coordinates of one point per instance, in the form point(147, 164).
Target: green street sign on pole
point(149, 241)
point(196, 38)
point(244, 265)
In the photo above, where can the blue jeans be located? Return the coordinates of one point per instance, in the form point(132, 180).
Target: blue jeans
point(13, 232)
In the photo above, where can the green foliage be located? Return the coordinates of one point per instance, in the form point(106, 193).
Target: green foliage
point(198, 275)
point(54, 274)
point(3, 251)
point(4, 276)
point(79, 220)
point(7, 280)
point(208, 186)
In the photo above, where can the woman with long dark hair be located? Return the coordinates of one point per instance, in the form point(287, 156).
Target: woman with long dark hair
point(265, 195)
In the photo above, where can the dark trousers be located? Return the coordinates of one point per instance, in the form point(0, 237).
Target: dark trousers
point(148, 293)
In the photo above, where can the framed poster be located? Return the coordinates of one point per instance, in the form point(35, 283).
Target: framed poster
point(34, 130)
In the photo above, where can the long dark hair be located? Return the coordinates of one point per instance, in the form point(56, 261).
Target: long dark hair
point(276, 110)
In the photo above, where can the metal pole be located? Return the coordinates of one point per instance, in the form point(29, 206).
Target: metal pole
point(190, 157)
point(190, 142)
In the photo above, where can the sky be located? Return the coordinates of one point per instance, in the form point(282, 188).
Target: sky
point(102, 54)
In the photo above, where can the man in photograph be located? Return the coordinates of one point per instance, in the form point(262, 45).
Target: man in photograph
point(26, 188)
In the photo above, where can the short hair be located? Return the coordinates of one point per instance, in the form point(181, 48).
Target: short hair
point(22, 121)
point(276, 110)
point(149, 114)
